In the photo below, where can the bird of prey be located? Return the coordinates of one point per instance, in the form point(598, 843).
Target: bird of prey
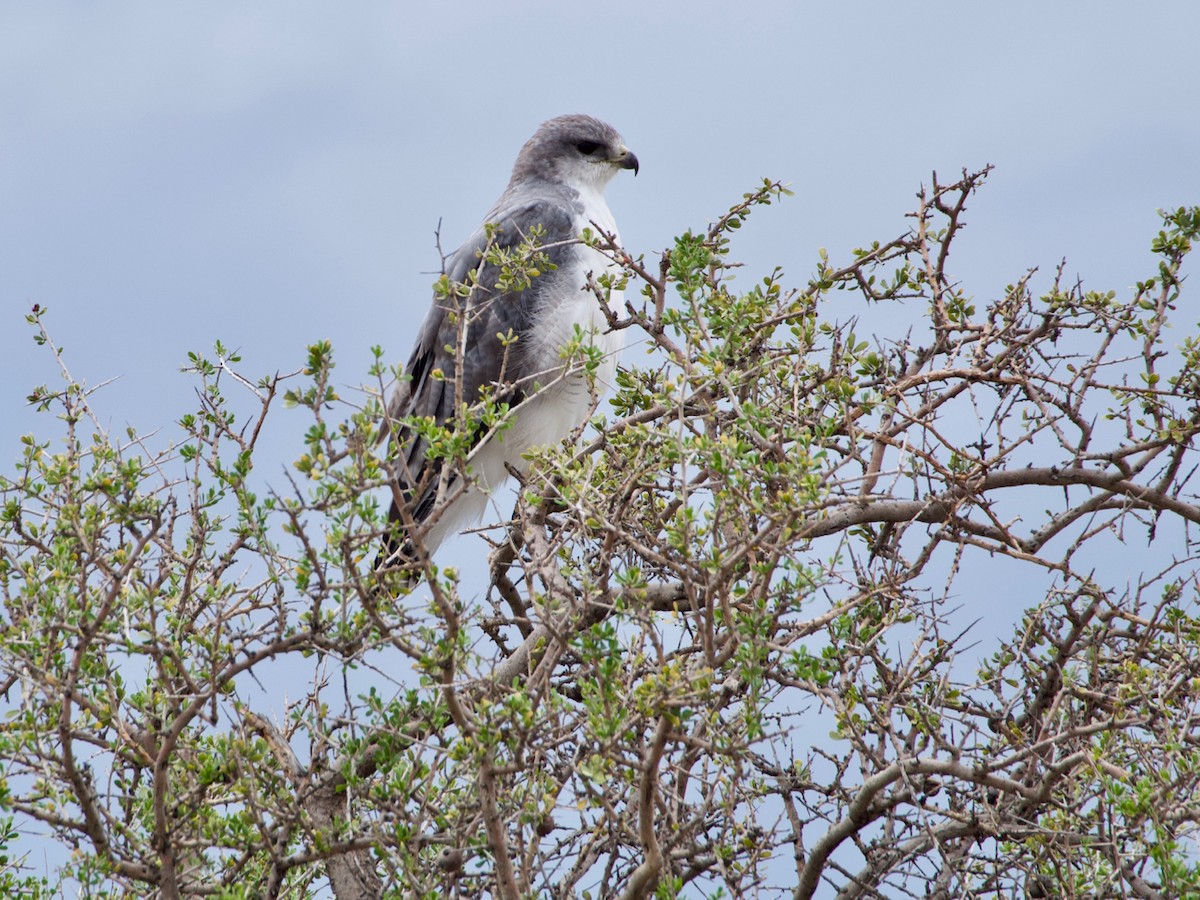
point(508, 338)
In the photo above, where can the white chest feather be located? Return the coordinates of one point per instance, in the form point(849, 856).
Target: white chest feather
point(575, 310)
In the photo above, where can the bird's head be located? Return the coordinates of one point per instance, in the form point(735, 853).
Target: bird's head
point(576, 150)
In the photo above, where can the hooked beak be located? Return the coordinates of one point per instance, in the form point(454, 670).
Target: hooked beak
point(627, 160)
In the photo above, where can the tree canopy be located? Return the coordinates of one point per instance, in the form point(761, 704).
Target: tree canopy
point(726, 645)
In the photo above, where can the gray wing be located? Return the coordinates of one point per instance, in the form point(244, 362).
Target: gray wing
point(486, 363)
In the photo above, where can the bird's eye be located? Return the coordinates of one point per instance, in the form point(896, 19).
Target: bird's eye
point(587, 148)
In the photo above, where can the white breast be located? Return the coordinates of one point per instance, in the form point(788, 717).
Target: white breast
point(578, 307)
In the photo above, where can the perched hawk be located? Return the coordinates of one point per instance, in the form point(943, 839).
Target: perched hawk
point(557, 188)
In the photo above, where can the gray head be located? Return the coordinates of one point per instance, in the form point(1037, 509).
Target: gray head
point(578, 151)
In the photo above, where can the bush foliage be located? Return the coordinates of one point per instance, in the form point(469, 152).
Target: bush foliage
point(725, 643)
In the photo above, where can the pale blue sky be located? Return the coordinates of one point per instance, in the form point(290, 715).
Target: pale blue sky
point(272, 174)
